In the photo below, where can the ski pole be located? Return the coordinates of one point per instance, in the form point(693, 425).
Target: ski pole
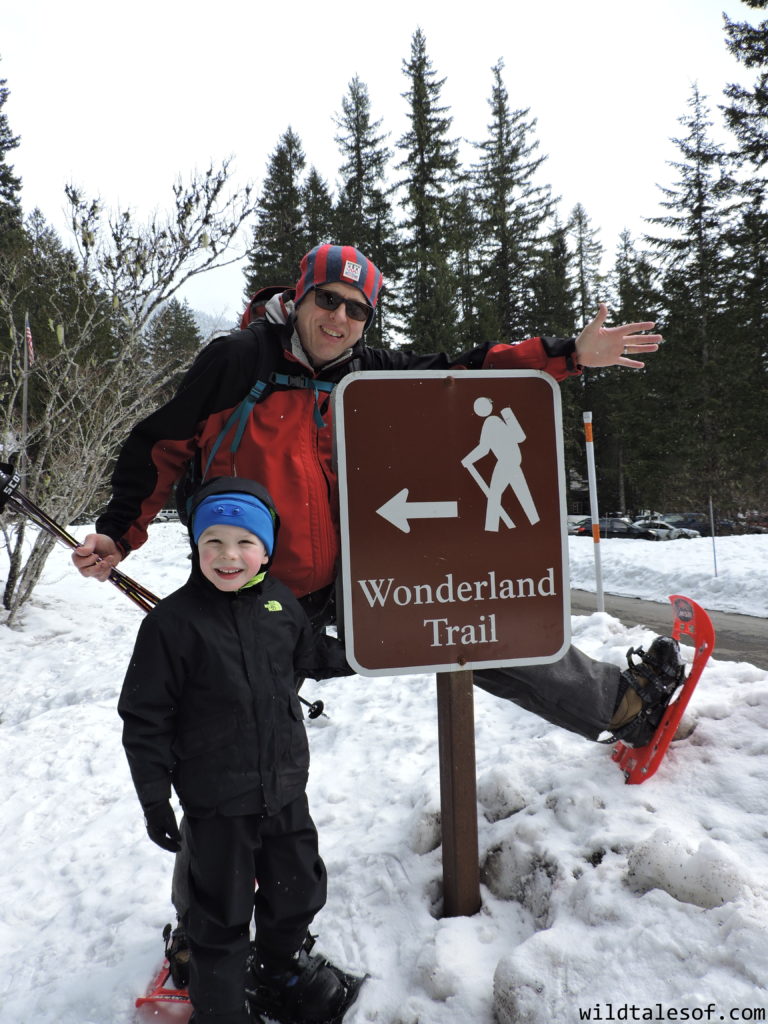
point(10, 493)
point(315, 708)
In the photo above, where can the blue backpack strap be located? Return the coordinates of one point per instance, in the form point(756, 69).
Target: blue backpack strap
point(239, 415)
point(306, 382)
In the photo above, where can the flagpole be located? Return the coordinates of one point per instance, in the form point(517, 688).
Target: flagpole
point(24, 401)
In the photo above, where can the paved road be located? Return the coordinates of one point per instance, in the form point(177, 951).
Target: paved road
point(739, 637)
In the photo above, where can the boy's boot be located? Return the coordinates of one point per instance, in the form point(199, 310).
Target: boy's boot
point(301, 988)
point(177, 954)
point(646, 689)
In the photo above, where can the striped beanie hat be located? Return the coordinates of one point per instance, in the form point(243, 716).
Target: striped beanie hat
point(344, 263)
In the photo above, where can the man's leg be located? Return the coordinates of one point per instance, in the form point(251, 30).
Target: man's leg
point(576, 693)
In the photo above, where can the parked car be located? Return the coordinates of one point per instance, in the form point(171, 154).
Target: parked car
point(700, 521)
point(755, 522)
point(667, 531)
point(166, 515)
point(611, 528)
point(575, 522)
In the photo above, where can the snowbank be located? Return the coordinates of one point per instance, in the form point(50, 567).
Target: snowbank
point(596, 896)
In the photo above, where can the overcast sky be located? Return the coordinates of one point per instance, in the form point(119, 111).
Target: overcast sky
point(121, 98)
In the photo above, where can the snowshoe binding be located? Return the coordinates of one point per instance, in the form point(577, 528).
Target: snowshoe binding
point(300, 989)
point(649, 682)
point(177, 954)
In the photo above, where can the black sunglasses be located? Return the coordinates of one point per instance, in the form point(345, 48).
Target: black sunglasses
point(330, 300)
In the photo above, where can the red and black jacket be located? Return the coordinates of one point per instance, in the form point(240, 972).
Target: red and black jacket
point(284, 447)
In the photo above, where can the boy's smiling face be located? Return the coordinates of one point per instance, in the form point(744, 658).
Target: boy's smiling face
point(230, 556)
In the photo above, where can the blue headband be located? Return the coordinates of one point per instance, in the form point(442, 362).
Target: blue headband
point(235, 509)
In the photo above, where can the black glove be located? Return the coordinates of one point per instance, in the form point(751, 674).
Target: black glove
point(161, 826)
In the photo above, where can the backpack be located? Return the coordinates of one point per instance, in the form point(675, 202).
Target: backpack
point(257, 304)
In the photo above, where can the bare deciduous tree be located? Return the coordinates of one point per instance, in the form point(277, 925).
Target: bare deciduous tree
point(95, 380)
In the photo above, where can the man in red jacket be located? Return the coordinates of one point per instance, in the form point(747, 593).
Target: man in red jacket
point(303, 341)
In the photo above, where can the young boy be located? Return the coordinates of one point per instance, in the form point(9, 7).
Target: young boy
point(210, 706)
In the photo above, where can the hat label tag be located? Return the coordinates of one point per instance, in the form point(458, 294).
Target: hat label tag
point(352, 270)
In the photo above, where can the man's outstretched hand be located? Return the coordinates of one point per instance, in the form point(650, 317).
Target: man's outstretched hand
point(598, 345)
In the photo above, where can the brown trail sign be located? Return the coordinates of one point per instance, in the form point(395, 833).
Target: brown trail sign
point(454, 550)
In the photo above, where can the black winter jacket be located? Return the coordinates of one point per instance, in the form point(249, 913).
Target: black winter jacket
point(209, 702)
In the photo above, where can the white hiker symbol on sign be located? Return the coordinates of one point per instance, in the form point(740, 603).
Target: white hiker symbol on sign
point(501, 436)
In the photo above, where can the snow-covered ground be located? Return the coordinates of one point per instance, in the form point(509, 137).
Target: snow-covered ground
point(630, 902)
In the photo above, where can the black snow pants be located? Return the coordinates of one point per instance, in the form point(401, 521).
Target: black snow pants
point(226, 856)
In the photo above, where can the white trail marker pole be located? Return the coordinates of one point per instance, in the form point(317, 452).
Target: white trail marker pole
point(593, 509)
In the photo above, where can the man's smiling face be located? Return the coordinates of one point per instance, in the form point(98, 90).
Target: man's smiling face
point(325, 334)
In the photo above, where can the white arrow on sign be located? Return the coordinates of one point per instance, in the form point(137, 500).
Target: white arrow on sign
point(399, 510)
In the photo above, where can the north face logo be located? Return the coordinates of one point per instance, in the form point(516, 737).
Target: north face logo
point(273, 606)
point(352, 271)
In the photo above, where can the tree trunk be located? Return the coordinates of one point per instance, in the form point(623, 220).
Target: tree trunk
point(15, 557)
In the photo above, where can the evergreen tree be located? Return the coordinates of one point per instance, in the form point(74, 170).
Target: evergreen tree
point(512, 212)
point(747, 112)
point(476, 319)
point(625, 439)
point(587, 287)
point(588, 254)
point(363, 193)
point(364, 210)
point(318, 213)
point(42, 278)
point(747, 117)
point(747, 274)
point(431, 166)
point(172, 341)
point(553, 308)
point(553, 295)
point(10, 183)
point(691, 390)
point(279, 237)
point(633, 283)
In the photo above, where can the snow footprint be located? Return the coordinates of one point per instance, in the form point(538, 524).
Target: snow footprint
point(499, 794)
point(513, 871)
point(424, 827)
